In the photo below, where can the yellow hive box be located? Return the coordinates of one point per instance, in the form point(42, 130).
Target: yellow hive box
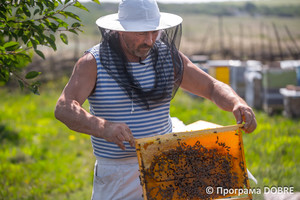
point(183, 165)
point(221, 73)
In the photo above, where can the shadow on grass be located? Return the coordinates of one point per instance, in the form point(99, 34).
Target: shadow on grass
point(7, 135)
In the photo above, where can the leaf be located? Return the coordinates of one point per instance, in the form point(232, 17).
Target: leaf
point(25, 38)
point(70, 14)
point(33, 43)
point(19, 11)
point(15, 35)
point(52, 37)
point(50, 4)
point(61, 23)
point(76, 24)
point(39, 39)
point(31, 3)
point(39, 53)
point(64, 38)
point(73, 31)
point(32, 74)
point(51, 42)
point(3, 16)
point(40, 5)
point(25, 57)
point(63, 13)
point(38, 29)
point(49, 13)
point(20, 32)
point(3, 9)
point(4, 75)
point(67, 1)
point(53, 27)
point(36, 11)
point(79, 5)
point(56, 4)
point(10, 45)
point(35, 87)
point(79, 30)
point(21, 84)
point(26, 11)
point(96, 1)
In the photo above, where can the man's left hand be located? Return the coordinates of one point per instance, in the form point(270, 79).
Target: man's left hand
point(244, 113)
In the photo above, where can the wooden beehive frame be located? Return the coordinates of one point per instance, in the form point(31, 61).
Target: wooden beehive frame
point(154, 173)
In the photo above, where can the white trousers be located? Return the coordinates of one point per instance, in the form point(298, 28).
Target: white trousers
point(116, 179)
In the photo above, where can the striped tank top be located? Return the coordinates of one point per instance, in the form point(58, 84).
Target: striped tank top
point(111, 102)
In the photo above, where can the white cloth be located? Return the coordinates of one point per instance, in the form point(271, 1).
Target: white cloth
point(116, 179)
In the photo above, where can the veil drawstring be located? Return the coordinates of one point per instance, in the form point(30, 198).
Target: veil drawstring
point(132, 108)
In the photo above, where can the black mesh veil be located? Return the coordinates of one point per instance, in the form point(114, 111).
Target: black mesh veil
point(116, 64)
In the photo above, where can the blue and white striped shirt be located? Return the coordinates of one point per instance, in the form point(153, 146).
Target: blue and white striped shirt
point(111, 102)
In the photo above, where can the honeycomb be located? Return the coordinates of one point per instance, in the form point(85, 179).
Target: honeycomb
point(182, 165)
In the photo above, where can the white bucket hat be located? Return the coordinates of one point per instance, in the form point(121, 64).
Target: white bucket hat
point(138, 16)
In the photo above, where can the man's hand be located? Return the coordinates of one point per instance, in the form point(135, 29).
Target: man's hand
point(202, 84)
point(244, 113)
point(117, 133)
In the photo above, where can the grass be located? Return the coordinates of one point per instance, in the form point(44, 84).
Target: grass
point(42, 159)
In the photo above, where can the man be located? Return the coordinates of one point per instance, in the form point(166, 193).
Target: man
point(129, 80)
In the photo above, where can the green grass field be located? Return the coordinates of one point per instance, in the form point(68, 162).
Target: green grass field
point(42, 159)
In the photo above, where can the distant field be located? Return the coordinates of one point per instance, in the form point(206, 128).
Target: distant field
point(276, 2)
point(202, 33)
point(243, 36)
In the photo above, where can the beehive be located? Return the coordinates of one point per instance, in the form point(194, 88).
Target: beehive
point(182, 165)
point(272, 81)
point(221, 73)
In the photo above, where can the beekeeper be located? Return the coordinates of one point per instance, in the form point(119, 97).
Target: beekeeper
point(129, 80)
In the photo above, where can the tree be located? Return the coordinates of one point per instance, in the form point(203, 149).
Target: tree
point(25, 26)
point(250, 8)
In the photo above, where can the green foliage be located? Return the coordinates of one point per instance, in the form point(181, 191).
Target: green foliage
point(40, 158)
point(28, 24)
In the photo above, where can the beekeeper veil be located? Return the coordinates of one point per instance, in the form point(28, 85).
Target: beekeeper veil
point(143, 16)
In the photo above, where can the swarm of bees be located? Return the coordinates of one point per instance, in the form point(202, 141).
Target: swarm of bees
point(185, 171)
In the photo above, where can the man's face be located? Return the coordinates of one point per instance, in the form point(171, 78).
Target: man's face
point(137, 44)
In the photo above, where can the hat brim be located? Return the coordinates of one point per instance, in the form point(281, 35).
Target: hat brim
point(112, 22)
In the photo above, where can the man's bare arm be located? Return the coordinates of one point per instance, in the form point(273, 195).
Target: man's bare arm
point(69, 108)
point(200, 83)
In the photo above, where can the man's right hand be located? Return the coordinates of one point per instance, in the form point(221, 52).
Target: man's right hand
point(117, 133)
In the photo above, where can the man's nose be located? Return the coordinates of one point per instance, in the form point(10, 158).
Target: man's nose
point(149, 39)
